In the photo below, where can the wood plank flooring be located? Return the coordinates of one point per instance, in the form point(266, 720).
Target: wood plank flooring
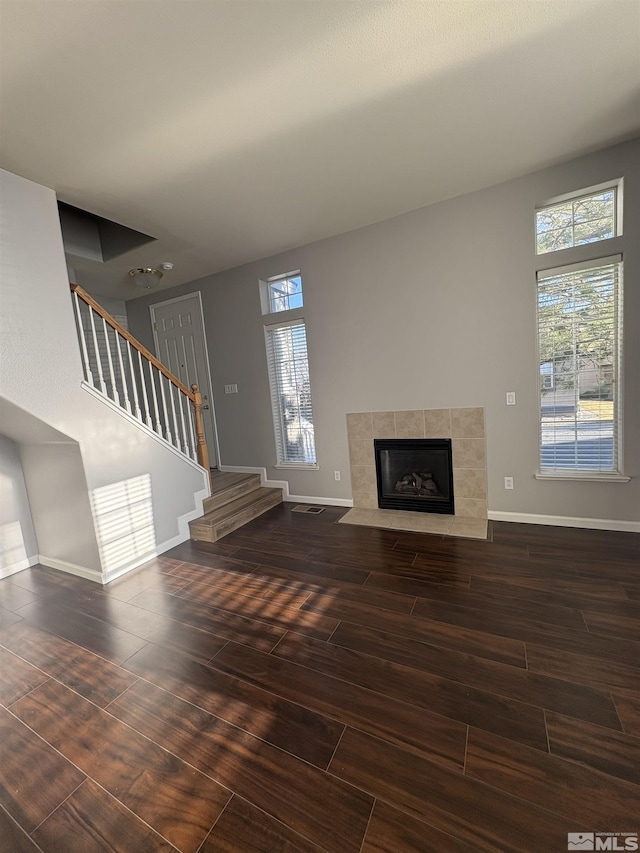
point(314, 687)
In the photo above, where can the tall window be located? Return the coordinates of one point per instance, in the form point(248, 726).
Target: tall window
point(291, 393)
point(580, 334)
point(579, 340)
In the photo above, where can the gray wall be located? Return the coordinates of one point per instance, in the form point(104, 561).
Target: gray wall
point(41, 393)
point(432, 309)
point(18, 545)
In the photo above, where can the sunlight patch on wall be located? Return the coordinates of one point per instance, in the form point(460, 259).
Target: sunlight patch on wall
point(12, 548)
point(123, 514)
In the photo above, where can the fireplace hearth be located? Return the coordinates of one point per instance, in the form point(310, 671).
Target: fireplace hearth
point(414, 474)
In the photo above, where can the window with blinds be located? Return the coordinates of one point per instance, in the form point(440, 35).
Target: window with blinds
point(291, 393)
point(579, 343)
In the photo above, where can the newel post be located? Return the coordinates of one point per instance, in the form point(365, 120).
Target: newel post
point(202, 449)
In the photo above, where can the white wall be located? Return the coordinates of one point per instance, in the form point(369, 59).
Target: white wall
point(57, 487)
point(18, 544)
point(433, 309)
point(41, 380)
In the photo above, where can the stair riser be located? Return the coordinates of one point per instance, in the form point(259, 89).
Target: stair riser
point(250, 513)
point(219, 500)
point(209, 530)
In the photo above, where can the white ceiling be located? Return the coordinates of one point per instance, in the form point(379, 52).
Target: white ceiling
point(234, 129)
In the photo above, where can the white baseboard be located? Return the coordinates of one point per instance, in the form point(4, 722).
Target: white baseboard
point(183, 521)
point(20, 565)
point(270, 484)
point(306, 499)
point(287, 497)
point(70, 568)
point(566, 521)
point(106, 577)
point(182, 536)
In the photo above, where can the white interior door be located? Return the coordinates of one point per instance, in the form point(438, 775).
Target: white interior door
point(178, 329)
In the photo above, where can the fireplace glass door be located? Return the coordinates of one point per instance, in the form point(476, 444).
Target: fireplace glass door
point(415, 474)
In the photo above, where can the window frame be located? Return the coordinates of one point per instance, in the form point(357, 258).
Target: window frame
point(275, 391)
point(266, 301)
point(617, 185)
point(585, 474)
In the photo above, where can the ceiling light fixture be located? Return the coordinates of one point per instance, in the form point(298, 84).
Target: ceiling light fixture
point(146, 277)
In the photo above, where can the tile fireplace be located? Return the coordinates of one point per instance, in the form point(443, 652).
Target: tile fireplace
point(462, 427)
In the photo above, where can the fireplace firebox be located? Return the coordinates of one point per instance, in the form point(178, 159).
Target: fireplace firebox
point(414, 474)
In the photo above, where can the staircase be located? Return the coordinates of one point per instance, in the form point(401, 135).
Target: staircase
point(235, 500)
point(121, 369)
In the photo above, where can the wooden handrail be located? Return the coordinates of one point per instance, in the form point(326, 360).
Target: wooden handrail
point(201, 449)
point(134, 343)
point(193, 394)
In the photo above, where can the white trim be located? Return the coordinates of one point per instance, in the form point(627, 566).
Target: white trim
point(306, 499)
point(147, 430)
point(182, 536)
point(106, 577)
point(615, 184)
point(207, 363)
point(565, 521)
point(287, 497)
point(600, 261)
point(70, 568)
point(298, 466)
point(264, 481)
point(20, 566)
point(183, 522)
point(589, 478)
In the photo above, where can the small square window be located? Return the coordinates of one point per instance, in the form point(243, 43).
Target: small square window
point(283, 293)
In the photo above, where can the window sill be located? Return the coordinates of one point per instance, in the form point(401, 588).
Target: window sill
point(302, 466)
point(576, 476)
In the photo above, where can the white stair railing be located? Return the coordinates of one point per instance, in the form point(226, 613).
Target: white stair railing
point(124, 371)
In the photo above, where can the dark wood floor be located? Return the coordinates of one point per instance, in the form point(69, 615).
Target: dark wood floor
point(309, 686)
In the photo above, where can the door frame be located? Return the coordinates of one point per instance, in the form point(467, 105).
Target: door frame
point(216, 449)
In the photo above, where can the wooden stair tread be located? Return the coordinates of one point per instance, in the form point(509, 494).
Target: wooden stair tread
point(221, 480)
point(238, 504)
point(235, 511)
point(227, 486)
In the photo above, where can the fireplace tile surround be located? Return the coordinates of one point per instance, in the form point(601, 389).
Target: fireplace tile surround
point(465, 428)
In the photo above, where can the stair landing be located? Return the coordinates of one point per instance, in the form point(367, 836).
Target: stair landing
point(236, 499)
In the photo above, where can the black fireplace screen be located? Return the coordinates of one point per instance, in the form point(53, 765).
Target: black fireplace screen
point(415, 474)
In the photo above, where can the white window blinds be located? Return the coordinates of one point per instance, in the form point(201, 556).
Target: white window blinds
point(291, 393)
point(579, 340)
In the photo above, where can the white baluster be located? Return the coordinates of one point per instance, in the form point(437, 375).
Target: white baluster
point(83, 343)
point(190, 417)
point(185, 441)
point(158, 426)
point(164, 409)
point(112, 378)
point(134, 385)
point(175, 420)
point(147, 418)
point(103, 384)
point(125, 391)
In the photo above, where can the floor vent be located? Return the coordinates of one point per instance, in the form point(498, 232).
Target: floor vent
point(314, 510)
